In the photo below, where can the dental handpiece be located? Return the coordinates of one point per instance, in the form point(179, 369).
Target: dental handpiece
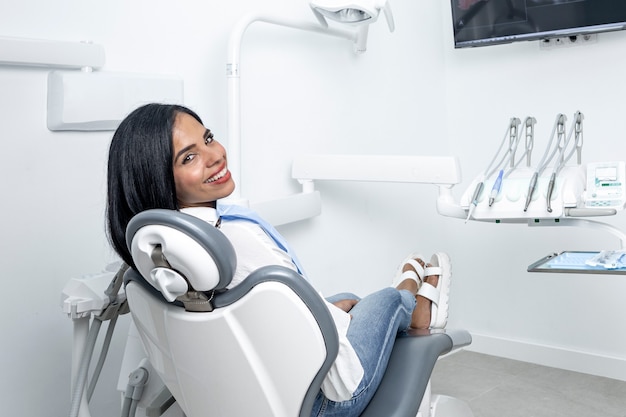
point(474, 201)
point(531, 190)
point(550, 189)
point(496, 188)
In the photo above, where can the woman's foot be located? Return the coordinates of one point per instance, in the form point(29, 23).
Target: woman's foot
point(411, 275)
point(422, 312)
point(432, 297)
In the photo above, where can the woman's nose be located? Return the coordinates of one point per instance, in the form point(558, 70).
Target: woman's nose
point(212, 157)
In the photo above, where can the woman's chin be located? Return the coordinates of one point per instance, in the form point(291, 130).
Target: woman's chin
point(228, 191)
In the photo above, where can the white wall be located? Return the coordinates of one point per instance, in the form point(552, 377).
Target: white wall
point(564, 320)
point(410, 93)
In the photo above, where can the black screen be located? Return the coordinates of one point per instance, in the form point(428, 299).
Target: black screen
point(488, 22)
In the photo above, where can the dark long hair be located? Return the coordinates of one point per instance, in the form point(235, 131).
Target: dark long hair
point(140, 175)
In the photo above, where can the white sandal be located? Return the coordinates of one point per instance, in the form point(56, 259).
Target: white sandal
point(438, 295)
point(416, 275)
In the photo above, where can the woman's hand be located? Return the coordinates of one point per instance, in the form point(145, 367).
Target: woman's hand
point(346, 305)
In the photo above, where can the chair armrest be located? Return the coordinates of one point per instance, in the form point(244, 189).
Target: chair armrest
point(460, 338)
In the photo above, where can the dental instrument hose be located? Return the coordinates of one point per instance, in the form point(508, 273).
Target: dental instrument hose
point(137, 380)
point(103, 355)
point(114, 310)
point(545, 160)
point(530, 138)
point(510, 152)
point(562, 159)
point(111, 312)
point(513, 144)
point(83, 369)
point(513, 126)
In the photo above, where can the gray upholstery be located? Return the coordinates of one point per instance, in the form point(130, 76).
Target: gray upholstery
point(412, 361)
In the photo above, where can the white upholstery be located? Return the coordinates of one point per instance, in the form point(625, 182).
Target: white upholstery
point(256, 357)
point(183, 255)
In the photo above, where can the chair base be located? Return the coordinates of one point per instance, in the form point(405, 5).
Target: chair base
point(444, 406)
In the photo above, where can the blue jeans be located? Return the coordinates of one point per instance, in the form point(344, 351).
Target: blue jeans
point(376, 321)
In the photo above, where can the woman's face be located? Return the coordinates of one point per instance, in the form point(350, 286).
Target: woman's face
point(201, 173)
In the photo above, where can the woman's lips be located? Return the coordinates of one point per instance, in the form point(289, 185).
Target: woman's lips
point(221, 176)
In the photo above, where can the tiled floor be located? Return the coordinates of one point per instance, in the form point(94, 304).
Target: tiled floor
point(498, 387)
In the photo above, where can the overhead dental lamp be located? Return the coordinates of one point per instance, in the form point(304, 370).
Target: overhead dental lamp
point(357, 12)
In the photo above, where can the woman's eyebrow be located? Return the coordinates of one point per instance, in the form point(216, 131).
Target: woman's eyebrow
point(183, 151)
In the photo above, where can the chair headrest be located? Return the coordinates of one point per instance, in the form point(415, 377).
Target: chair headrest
point(177, 252)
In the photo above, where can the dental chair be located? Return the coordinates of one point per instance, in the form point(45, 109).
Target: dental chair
point(261, 348)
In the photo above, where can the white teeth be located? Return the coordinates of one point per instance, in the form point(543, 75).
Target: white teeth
point(218, 175)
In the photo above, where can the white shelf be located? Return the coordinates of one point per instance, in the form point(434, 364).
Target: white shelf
point(48, 53)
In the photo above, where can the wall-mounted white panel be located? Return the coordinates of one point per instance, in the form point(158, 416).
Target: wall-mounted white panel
point(385, 168)
point(89, 101)
point(47, 53)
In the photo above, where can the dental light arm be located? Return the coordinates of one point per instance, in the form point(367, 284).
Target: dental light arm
point(233, 75)
point(358, 38)
point(356, 12)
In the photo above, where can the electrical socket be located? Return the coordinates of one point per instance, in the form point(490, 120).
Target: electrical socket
point(568, 41)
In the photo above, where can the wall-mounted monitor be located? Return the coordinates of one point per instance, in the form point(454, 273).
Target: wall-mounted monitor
point(492, 22)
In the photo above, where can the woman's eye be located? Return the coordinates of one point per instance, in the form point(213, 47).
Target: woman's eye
point(208, 137)
point(188, 158)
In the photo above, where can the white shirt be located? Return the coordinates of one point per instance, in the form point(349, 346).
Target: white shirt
point(254, 249)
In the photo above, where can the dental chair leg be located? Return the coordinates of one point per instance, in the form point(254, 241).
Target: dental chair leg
point(444, 406)
point(424, 410)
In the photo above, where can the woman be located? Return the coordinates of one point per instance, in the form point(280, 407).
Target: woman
point(162, 156)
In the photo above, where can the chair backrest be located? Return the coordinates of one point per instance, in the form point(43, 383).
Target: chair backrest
point(263, 350)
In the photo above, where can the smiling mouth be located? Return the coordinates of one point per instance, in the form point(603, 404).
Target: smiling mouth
point(218, 176)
